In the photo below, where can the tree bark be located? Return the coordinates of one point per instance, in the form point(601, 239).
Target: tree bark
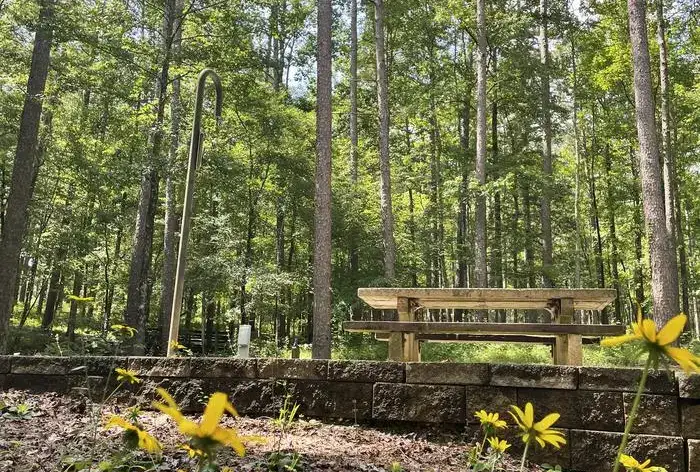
point(497, 250)
point(638, 232)
point(682, 258)
point(664, 269)
point(595, 224)
point(480, 273)
point(354, 253)
point(545, 208)
point(25, 168)
point(322, 211)
point(666, 150)
point(138, 295)
point(170, 226)
point(612, 234)
point(73, 314)
point(51, 297)
point(577, 189)
point(387, 212)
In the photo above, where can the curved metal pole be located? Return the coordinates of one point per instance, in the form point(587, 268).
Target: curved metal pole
point(194, 160)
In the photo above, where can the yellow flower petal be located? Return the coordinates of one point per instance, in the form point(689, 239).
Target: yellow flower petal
point(171, 409)
point(688, 361)
point(119, 422)
point(639, 314)
point(554, 439)
point(229, 437)
point(520, 418)
point(649, 330)
point(546, 422)
point(617, 340)
point(529, 415)
point(672, 330)
point(213, 413)
point(148, 443)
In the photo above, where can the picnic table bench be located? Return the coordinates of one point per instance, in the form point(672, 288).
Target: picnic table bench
point(405, 334)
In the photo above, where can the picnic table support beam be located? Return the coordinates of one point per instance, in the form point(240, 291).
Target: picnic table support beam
point(568, 348)
point(404, 346)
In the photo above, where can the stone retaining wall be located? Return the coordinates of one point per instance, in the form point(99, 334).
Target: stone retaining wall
point(593, 402)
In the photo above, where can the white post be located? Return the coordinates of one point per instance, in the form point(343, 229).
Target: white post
point(244, 341)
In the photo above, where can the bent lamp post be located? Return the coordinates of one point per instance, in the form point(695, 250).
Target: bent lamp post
point(194, 163)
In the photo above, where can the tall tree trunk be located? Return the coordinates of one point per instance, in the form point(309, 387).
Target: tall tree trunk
point(170, 226)
point(612, 234)
point(25, 168)
point(545, 209)
point(595, 224)
point(73, 313)
point(638, 232)
point(27, 307)
point(664, 268)
point(462, 221)
point(529, 250)
point(321, 348)
point(497, 250)
point(138, 296)
point(480, 273)
point(354, 254)
point(577, 189)
point(666, 150)
point(52, 296)
point(682, 258)
point(387, 213)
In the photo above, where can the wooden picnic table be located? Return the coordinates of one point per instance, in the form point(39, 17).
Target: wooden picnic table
point(561, 303)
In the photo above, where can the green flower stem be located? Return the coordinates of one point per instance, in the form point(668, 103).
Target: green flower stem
point(522, 462)
point(633, 412)
point(483, 443)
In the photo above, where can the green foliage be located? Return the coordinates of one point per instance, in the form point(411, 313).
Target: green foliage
point(19, 411)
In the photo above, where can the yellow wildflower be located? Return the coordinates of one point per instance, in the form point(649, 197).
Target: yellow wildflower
point(498, 445)
point(124, 330)
point(192, 452)
point(632, 465)
point(659, 341)
point(208, 430)
point(176, 345)
point(125, 375)
point(490, 419)
point(145, 441)
point(539, 431)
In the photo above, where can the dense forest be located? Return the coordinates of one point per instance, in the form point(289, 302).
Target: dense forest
point(473, 144)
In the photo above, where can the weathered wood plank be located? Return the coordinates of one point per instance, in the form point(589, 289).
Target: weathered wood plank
point(485, 298)
point(489, 338)
point(423, 327)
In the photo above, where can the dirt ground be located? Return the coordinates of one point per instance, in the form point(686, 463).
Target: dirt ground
point(59, 430)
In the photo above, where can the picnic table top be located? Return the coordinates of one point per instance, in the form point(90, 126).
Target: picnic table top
point(488, 298)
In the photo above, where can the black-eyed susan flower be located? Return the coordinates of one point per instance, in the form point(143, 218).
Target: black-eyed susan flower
point(489, 420)
point(537, 431)
point(659, 343)
point(498, 445)
point(128, 376)
point(632, 465)
point(206, 434)
point(135, 436)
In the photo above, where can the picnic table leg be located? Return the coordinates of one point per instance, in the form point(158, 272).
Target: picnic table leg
point(396, 347)
point(568, 348)
point(410, 345)
point(403, 346)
